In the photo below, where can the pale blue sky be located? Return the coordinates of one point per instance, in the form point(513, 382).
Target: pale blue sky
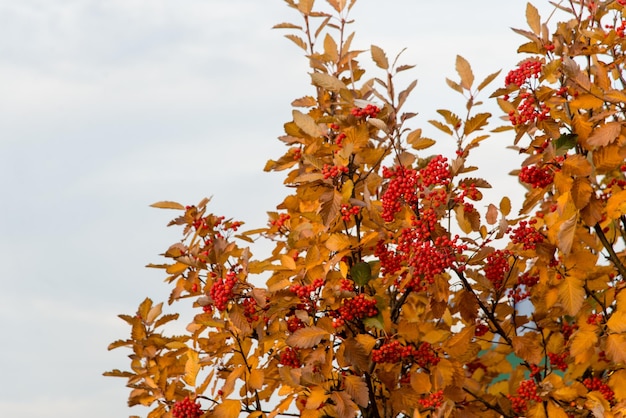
point(108, 106)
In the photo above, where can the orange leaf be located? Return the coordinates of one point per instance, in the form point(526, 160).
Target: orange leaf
point(604, 135)
point(337, 242)
point(307, 337)
point(571, 294)
point(567, 231)
point(357, 389)
point(617, 322)
point(167, 205)
point(615, 344)
point(229, 408)
point(192, 367)
point(533, 19)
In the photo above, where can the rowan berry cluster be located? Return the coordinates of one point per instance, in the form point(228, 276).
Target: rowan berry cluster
point(186, 408)
point(250, 309)
point(348, 211)
point(558, 361)
point(567, 330)
point(595, 383)
point(526, 70)
point(305, 291)
point(368, 111)
point(290, 358)
point(401, 189)
point(595, 319)
point(222, 290)
point(347, 285)
point(529, 110)
point(522, 289)
point(497, 267)
point(354, 309)
point(294, 323)
point(526, 234)
point(434, 400)
point(481, 329)
point(436, 173)
point(280, 222)
point(537, 176)
point(333, 171)
point(527, 391)
point(393, 351)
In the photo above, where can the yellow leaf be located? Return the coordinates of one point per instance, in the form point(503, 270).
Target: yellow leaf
point(533, 19)
point(192, 367)
point(327, 82)
point(476, 123)
point(346, 190)
point(287, 262)
point(586, 101)
point(616, 206)
point(462, 220)
point(608, 158)
point(330, 48)
point(316, 397)
point(555, 411)
point(576, 165)
point(617, 381)
point(571, 294)
point(420, 382)
point(256, 379)
point(465, 72)
point(505, 206)
point(615, 96)
point(168, 205)
point(306, 337)
point(379, 57)
point(337, 242)
point(307, 124)
point(617, 322)
point(229, 408)
point(177, 268)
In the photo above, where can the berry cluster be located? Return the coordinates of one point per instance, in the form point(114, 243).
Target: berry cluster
point(400, 189)
point(557, 361)
point(595, 319)
point(393, 351)
point(526, 70)
point(497, 267)
point(289, 357)
point(333, 171)
point(294, 323)
point(368, 111)
point(186, 408)
point(481, 329)
point(304, 291)
point(250, 309)
point(527, 391)
point(436, 172)
point(280, 222)
point(526, 235)
point(432, 401)
point(595, 383)
point(348, 211)
point(222, 290)
point(354, 309)
point(537, 176)
point(567, 330)
point(529, 110)
point(522, 289)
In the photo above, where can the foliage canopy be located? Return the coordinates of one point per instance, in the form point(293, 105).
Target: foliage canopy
point(389, 291)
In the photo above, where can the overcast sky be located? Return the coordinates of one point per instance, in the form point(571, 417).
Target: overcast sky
point(107, 106)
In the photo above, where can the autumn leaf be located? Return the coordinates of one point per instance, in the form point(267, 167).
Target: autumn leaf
point(465, 72)
point(229, 408)
point(571, 294)
point(327, 82)
point(379, 57)
point(306, 337)
point(167, 205)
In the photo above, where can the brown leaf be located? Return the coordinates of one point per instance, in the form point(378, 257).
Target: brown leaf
point(379, 57)
point(307, 124)
point(604, 135)
point(465, 72)
point(528, 347)
point(307, 337)
point(167, 205)
point(566, 234)
point(492, 214)
point(357, 389)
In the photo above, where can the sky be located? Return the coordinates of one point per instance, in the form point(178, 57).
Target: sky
point(109, 106)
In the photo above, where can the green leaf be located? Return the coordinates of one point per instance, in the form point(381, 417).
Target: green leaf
point(361, 273)
point(564, 143)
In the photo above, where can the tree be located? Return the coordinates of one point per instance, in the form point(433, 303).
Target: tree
point(388, 292)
